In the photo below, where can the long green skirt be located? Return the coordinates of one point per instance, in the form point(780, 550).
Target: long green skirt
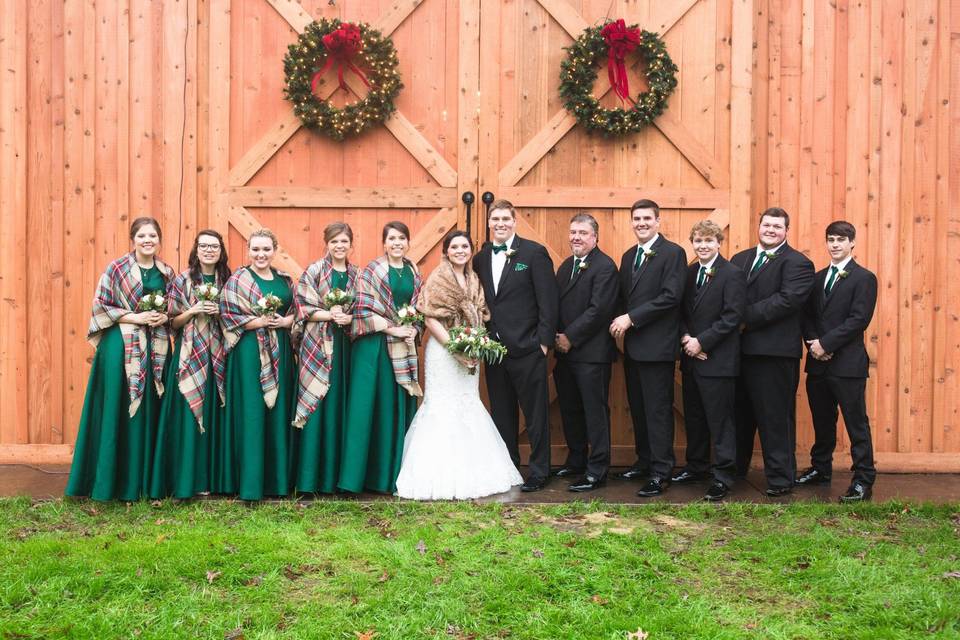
point(114, 452)
point(251, 452)
point(379, 411)
point(181, 464)
point(319, 443)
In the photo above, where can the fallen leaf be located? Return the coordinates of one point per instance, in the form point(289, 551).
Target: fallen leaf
point(255, 581)
point(598, 600)
point(537, 553)
point(354, 600)
point(159, 521)
point(952, 574)
point(422, 547)
point(156, 503)
point(438, 580)
point(365, 635)
point(161, 538)
point(234, 634)
point(91, 511)
point(290, 573)
point(213, 575)
point(440, 560)
point(384, 577)
point(639, 634)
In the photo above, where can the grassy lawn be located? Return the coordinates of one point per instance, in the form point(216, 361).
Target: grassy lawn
point(218, 569)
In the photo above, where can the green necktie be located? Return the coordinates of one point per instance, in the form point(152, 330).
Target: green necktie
point(701, 276)
point(759, 263)
point(576, 267)
point(831, 280)
point(638, 260)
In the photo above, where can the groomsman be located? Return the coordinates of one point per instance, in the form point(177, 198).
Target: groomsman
point(521, 292)
point(837, 313)
point(585, 350)
point(779, 279)
point(651, 289)
point(713, 302)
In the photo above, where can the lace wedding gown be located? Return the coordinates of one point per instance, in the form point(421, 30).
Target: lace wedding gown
point(453, 449)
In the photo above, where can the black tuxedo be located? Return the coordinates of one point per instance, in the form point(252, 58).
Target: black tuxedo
point(771, 345)
point(651, 296)
point(523, 315)
point(712, 314)
point(588, 302)
point(839, 320)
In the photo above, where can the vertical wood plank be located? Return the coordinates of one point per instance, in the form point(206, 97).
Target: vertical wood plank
point(741, 126)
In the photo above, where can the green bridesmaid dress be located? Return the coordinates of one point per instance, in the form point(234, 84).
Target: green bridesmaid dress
point(181, 465)
point(252, 452)
point(379, 411)
point(319, 442)
point(114, 452)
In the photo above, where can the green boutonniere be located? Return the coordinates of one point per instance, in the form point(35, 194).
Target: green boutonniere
point(520, 267)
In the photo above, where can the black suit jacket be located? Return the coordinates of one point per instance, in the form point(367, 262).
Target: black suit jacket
point(839, 321)
point(652, 298)
point(523, 312)
point(712, 315)
point(776, 295)
point(588, 303)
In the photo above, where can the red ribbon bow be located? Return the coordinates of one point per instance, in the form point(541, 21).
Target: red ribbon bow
point(620, 42)
point(341, 46)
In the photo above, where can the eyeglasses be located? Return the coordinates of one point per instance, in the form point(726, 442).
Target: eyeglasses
point(208, 247)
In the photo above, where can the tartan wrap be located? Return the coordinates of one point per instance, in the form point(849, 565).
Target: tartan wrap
point(118, 293)
point(373, 311)
point(201, 344)
point(240, 295)
point(314, 339)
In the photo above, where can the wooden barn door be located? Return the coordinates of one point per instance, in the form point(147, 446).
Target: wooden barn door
point(695, 161)
point(268, 171)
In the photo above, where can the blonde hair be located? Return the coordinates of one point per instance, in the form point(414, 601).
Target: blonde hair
point(707, 229)
point(263, 233)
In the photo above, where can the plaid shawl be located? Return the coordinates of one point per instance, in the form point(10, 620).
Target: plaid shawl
point(239, 296)
point(315, 338)
point(374, 311)
point(444, 299)
point(202, 344)
point(118, 293)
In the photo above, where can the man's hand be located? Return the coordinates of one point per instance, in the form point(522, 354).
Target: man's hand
point(620, 325)
point(692, 347)
point(563, 343)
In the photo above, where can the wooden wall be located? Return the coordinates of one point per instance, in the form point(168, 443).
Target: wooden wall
point(110, 110)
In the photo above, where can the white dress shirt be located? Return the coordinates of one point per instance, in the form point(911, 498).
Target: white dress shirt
point(840, 267)
point(498, 261)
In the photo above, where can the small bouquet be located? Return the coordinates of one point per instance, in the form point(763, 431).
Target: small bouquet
point(153, 301)
point(409, 315)
point(207, 292)
point(268, 305)
point(337, 298)
point(474, 343)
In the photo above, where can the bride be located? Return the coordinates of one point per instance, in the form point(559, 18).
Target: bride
point(453, 450)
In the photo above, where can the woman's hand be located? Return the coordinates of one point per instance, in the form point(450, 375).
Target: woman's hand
point(210, 308)
point(469, 363)
point(259, 322)
point(157, 319)
point(284, 322)
point(405, 332)
point(342, 319)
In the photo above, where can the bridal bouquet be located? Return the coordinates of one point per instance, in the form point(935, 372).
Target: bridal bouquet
point(153, 302)
point(207, 292)
point(474, 343)
point(409, 315)
point(268, 305)
point(337, 298)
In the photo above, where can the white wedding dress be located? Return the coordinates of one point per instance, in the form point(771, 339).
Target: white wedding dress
point(453, 449)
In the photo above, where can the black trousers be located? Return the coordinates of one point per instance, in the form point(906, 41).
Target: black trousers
point(767, 402)
point(826, 394)
point(650, 395)
point(522, 380)
point(582, 390)
point(709, 410)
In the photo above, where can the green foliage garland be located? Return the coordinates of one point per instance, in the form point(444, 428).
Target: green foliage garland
point(377, 59)
point(578, 72)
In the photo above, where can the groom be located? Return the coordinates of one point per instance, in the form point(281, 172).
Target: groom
point(521, 292)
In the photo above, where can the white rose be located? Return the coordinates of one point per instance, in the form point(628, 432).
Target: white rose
point(158, 299)
point(262, 302)
point(403, 312)
point(213, 291)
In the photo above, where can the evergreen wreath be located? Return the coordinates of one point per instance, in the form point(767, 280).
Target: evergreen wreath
point(325, 44)
point(578, 72)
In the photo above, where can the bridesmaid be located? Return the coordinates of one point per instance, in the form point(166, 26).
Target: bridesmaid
point(251, 453)
point(324, 352)
point(194, 399)
point(115, 441)
point(383, 387)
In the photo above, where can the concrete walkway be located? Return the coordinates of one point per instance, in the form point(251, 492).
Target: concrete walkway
point(49, 482)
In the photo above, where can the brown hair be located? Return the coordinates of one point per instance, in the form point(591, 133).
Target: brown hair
point(141, 222)
point(776, 212)
point(707, 229)
point(455, 233)
point(396, 225)
point(841, 228)
point(589, 219)
point(505, 205)
point(221, 268)
point(334, 229)
point(646, 204)
point(263, 233)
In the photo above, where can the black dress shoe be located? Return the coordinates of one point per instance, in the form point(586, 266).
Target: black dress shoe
point(857, 492)
point(688, 476)
point(812, 477)
point(717, 492)
point(776, 492)
point(569, 472)
point(588, 483)
point(654, 487)
point(633, 473)
point(533, 484)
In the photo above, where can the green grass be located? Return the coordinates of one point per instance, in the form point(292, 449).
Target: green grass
point(218, 569)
